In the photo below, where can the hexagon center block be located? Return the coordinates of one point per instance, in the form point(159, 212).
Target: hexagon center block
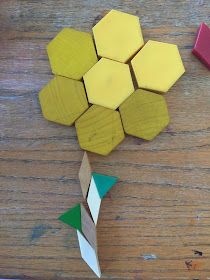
point(108, 83)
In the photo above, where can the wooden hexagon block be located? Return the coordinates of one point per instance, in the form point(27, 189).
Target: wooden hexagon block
point(63, 100)
point(118, 36)
point(157, 66)
point(202, 44)
point(71, 53)
point(99, 130)
point(144, 114)
point(108, 83)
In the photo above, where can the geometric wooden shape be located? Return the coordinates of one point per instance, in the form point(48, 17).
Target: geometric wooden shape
point(71, 53)
point(78, 218)
point(157, 66)
point(118, 36)
point(144, 114)
point(104, 183)
point(99, 130)
point(202, 44)
point(85, 175)
point(88, 254)
point(72, 217)
point(63, 100)
point(88, 227)
point(94, 201)
point(99, 186)
point(108, 83)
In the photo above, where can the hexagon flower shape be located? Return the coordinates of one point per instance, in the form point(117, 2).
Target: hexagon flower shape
point(157, 66)
point(71, 53)
point(108, 83)
point(144, 114)
point(99, 130)
point(118, 36)
point(63, 100)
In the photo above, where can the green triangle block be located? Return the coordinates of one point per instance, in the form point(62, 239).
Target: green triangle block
point(72, 217)
point(103, 183)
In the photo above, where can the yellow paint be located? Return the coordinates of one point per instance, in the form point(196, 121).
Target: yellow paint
point(99, 130)
point(108, 83)
point(144, 114)
point(157, 66)
point(71, 53)
point(63, 100)
point(118, 36)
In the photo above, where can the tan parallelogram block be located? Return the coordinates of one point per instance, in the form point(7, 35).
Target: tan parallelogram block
point(88, 227)
point(71, 53)
point(144, 114)
point(63, 100)
point(85, 174)
point(99, 130)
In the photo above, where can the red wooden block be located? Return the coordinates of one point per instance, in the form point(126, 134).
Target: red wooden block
point(202, 44)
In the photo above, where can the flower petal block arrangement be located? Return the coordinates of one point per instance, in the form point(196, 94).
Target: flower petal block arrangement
point(94, 89)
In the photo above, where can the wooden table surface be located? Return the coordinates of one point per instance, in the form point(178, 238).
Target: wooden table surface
point(159, 213)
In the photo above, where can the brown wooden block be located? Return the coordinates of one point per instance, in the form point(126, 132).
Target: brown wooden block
point(85, 175)
point(88, 227)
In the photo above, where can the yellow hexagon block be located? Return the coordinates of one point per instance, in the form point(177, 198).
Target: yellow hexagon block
point(63, 100)
point(118, 36)
point(71, 53)
point(157, 66)
point(144, 114)
point(108, 83)
point(99, 130)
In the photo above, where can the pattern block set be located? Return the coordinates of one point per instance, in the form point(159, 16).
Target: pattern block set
point(99, 95)
point(94, 188)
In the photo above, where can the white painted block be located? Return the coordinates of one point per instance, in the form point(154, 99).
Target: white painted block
point(94, 201)
point(88, 254)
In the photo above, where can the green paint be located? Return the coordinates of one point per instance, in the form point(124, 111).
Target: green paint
point(72, 217)
point(103, 183)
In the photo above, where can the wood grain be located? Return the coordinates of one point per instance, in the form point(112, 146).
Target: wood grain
point(161, 204)
point(99, 130)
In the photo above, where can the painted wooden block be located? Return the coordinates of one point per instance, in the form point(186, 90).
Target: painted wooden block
point(99, 186)
point(202, 44)
point(108, 83)
point(157, 66)
point(63, 100)
point(99, 130)
point(85, 175)
point(118, 36)
point(144, 114)
point(71, 53)
point(78, 218)
point(88, 254)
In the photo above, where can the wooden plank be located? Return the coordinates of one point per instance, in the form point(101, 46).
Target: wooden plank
point(163, 193)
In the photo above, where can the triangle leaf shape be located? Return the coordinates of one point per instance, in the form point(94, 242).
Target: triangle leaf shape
point(104, 183)
point(72, 217)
